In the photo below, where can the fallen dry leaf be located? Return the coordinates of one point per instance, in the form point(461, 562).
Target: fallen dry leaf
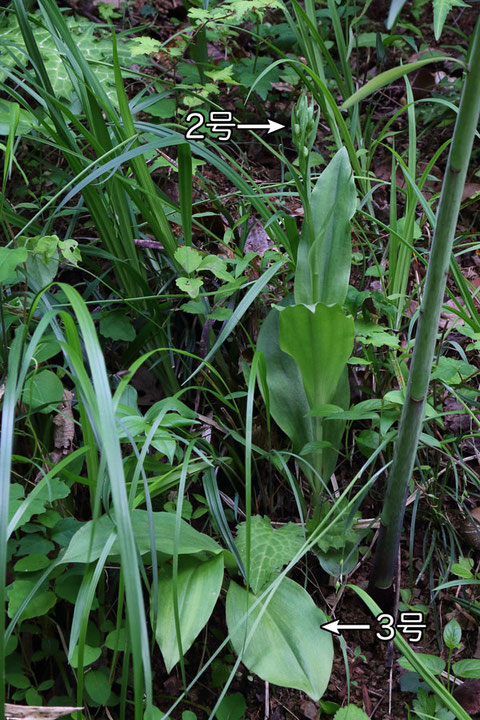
point(468, 695)
point(257, 240)
point(64, 424)
point(36, 712)
point(309, 709)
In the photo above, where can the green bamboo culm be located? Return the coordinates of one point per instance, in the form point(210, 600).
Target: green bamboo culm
point(416, 393)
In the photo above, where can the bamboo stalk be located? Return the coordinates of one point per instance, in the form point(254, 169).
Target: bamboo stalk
point(417, 389)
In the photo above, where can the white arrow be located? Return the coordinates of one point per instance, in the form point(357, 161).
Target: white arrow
point(271, 126)
point(334, 627)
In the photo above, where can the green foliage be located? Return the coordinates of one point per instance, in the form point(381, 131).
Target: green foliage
point(441, 8)
point(232, 707)
point(288, 401)
point(270, 549)
point(430, 706)
point(95, 46)
point(109, 517)
point(315, 331)
point(89, 541)
point(42, 392)
point(350, 712)
point(452, 634)
point(325, 249)
point(115, 325)
point(281, 641)
point(232, 12)
point(98, 686)
point(40, 604)
point(10, 258)
point(22, 509)
point(320, 339)
point(467, 668)
point(388, 77)
point(194, 592)
point(340, 532)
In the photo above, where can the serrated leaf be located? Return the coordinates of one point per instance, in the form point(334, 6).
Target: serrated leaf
point(248, 70)
point(369, 333)
point(189, 258)
point(270, 549)
point(96, 49)
point(222, 75)
point(340, 530)
point(144, 45)
point(451, 370)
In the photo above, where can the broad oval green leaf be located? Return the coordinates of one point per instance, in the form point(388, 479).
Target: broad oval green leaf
point(82, 548)
point(232, 707)
point(467, 668)
point(10, 257)
point(97, 686)
point(90, 655)
point(452, 634)
point(116, 640)
point(198, 587)
point(31, 563)
point(320, 339)
point(435, 664)
point(287, 647)
point(42, 390)
point(288, 402)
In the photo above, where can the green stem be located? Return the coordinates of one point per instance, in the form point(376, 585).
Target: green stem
point(417, 388)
